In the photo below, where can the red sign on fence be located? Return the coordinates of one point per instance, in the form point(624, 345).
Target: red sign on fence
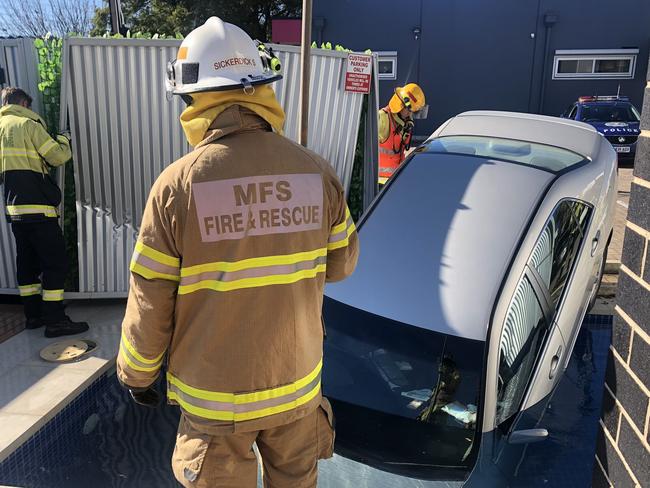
point(357, 73)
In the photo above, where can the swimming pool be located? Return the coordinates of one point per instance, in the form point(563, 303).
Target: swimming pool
point(103, 439)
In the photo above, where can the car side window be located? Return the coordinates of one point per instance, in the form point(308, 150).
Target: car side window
point(573, 112)
point(522, 338)
point(556, 250)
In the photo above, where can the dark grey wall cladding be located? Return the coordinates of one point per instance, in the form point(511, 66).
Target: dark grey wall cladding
point(621, 336)
point(634, 300)
point(633, 247)
point(611, 462)
point(639, 211)
point(635, 453)
point(626, 389)
point(481, 55)
point(640, 359)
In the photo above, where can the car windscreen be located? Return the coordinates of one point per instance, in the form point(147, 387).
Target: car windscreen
point(540, 156)
point(608, 113)
point(405, 398)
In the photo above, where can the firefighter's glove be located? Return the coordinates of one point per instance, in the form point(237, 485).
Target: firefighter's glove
point(147, 398)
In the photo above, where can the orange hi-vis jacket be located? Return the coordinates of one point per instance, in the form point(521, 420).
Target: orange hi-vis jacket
point(236, 243)
point(391, 151)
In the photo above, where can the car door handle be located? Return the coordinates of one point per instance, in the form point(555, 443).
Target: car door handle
point(594, 244)
point(555, 363)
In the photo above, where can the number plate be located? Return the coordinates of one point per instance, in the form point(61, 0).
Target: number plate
point(622, 149)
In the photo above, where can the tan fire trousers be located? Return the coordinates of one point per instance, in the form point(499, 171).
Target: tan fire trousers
point(289, 453)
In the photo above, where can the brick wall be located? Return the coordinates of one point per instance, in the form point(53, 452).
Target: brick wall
point(623, 448)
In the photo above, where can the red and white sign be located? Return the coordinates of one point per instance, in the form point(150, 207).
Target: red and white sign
point(357, 73)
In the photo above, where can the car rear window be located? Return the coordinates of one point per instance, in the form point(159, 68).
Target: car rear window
point(540, 156)
point(405, 398)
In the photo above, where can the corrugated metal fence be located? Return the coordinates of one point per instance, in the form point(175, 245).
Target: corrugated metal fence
point(125, 131)
point(18, 63)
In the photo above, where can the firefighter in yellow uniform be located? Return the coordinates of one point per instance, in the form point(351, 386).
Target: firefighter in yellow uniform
point(27, 152)
point(395, 124)
point(236, 243)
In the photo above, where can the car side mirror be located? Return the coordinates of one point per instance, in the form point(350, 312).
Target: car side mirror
point(527, 436)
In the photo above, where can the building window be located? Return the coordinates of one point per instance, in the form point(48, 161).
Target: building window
point(387, 65)
point(595, 64)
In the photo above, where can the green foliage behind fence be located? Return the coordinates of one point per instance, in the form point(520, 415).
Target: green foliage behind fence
point(49, 50)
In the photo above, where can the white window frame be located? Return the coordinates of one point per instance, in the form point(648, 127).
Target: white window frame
point(383, 56)
point(594, 55)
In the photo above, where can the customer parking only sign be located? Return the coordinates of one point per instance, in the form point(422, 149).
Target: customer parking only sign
point(357, 73)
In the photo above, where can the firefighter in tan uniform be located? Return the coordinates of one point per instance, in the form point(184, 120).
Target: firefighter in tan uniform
point(236, 243)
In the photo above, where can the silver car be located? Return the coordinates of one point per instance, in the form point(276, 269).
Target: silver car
point(479, 261)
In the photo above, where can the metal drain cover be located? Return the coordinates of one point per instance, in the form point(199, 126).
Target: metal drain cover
point(64, 351)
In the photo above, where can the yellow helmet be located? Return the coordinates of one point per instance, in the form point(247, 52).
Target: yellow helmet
point(410, 96)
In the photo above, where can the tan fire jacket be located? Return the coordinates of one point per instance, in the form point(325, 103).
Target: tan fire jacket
point(237, 241)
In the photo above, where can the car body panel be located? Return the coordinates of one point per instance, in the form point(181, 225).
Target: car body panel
point(476, 250)
point(459, 226)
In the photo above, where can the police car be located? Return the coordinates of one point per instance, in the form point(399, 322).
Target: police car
point(479, 261)
point(612, 116)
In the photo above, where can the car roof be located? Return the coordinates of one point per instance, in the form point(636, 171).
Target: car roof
point(568, 134)
point(436, 247)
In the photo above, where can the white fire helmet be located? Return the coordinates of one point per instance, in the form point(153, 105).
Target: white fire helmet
point(220, 56)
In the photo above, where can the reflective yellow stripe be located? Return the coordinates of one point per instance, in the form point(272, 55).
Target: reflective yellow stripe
point(161, 257)
point(241, 398)
point(47, 210)
point(137, 355)
point(29, 290)
point(16, 151)
point(244, 406)
point(337, 229)
point(52, 295)
point(284, 279)
point(151, 274)
point(47, 146)
point(133, 365)
point(381, 180)
point(238, 417)
point(254, 262)
point(280, 408)
point(339, 244)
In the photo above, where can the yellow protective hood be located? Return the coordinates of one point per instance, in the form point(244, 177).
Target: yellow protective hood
point(20, 111)
point(197, 117)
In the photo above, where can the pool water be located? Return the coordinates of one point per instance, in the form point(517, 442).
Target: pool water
point(103, 439)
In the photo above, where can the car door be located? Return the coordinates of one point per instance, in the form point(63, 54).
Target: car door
point(553, 263)
point(527, 336)
point(537, 330)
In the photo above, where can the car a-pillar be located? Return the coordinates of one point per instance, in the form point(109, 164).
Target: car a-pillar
point(623, 445)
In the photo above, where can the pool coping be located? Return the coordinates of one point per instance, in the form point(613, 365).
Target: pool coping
point(32, 391)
